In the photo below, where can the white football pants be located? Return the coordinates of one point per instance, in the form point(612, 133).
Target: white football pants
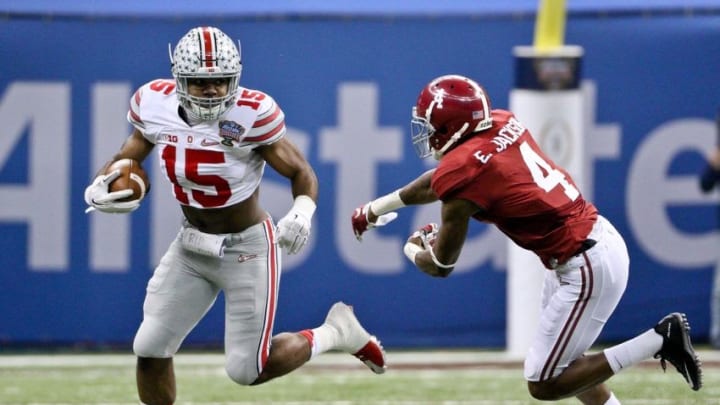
point(578, 298)
point(185, 285)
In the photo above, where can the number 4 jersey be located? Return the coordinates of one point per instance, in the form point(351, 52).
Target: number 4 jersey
point(519, 189)
point(211, 164)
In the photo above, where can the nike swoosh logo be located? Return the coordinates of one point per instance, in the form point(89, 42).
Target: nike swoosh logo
point(205, 142)
point(244, 258)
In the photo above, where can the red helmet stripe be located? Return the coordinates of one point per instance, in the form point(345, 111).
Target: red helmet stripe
point(207, 47)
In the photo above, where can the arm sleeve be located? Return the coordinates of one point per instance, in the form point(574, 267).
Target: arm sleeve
point(133, 115)
point(269, 125)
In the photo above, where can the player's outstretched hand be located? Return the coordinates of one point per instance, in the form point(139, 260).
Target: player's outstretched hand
point(361, 222)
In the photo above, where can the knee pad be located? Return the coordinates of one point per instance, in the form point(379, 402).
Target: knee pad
point(154, 340)
point(532, 367)
point(241, 369)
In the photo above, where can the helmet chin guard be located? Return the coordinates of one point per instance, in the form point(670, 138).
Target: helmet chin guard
point(205, 53)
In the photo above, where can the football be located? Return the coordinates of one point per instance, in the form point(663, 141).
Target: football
point(132, 176)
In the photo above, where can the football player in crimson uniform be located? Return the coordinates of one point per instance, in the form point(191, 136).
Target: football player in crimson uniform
point(490, 169)
point(214, 138)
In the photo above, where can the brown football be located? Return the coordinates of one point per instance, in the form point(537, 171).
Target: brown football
point(132, 176)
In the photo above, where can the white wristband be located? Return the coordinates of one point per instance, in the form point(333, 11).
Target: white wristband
point(387, 203)
point(411, 250)
point(304, 205)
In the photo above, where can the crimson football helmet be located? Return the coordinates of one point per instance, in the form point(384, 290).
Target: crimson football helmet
point(448, 108)
point(205, 53)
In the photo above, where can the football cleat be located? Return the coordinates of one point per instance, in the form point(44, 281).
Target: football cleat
point(354, 339)
point(678, 350)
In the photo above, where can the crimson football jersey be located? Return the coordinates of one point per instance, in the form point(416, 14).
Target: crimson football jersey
point(520, 190)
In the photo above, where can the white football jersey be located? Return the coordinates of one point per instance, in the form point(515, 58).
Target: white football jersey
point(211, 164)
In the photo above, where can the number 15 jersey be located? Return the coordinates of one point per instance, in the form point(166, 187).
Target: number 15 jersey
point(211, 164)
point(520, 190)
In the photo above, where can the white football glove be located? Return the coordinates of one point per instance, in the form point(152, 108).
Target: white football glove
point(294, 228)
point(99, 197)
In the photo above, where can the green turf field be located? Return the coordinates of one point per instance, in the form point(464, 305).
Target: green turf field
point(455, 377)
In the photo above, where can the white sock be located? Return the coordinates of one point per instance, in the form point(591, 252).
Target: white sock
point(324, 338)
point(612, 400)
point(633, 351)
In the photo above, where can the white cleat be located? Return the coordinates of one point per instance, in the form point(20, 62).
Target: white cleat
point(354, 339)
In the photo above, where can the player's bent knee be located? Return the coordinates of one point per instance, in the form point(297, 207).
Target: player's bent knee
point(153, 340)
point(240, 375)
point(238, 369)
point(542, 391)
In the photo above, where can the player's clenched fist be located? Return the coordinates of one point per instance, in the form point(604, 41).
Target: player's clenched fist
point(425, 237)
point(293, 229)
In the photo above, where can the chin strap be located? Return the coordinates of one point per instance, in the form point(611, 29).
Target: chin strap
point(453, 139)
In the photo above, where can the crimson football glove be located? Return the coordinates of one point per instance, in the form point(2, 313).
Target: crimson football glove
point(360, 222)
point(427, 235)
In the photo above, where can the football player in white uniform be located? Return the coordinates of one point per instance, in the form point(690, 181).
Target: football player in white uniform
point(214, 138)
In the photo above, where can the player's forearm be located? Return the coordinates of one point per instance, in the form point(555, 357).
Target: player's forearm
point(305, 182)
point(424, 262)
point(420, 251)
point(416, 192)
point(419, 191)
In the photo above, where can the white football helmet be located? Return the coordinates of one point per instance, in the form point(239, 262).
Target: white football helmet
point(206, 53)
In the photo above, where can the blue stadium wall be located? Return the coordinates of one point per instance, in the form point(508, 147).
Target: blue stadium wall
point(346, 86)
